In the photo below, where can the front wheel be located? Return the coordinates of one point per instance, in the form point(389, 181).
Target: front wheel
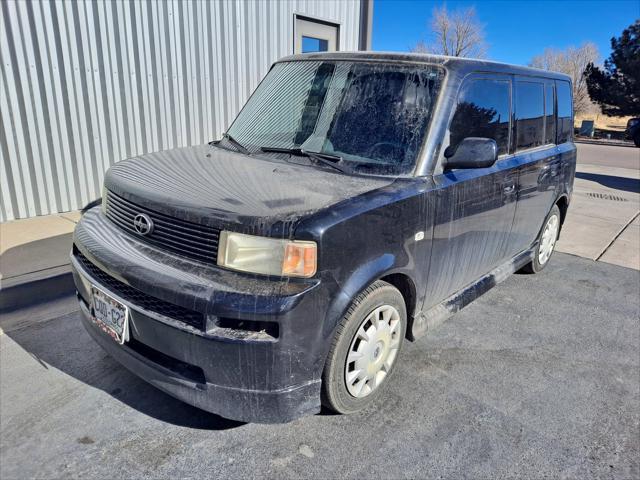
point(365, 349)
point(546, 242)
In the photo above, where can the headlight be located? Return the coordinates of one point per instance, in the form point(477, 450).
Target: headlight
point(268, 256)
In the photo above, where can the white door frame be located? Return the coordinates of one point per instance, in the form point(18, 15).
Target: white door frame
point(316, 22)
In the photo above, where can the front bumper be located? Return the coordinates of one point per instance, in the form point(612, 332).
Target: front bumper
point(261, 406)
point(247, 376)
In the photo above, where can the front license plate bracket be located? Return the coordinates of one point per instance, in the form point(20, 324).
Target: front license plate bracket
point(110, 315)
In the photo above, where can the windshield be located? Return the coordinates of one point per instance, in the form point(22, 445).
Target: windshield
point(371, 115)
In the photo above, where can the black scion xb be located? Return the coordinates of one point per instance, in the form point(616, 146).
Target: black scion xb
point(357, 200)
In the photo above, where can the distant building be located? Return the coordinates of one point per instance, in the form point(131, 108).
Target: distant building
point(88, 83)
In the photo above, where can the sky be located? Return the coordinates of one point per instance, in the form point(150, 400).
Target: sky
point(515, 30)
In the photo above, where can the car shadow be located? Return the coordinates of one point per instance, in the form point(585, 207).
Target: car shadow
point(619, 183)
point(62, 343)
point(36, 255)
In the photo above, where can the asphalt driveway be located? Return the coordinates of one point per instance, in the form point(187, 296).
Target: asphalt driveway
point(540, 377)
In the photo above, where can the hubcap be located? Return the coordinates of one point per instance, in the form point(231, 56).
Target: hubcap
point(548, 240)
point(373, 351)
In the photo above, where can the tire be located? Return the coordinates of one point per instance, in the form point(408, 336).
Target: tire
point(339, 392)
point(636, 140)
point(542, 260)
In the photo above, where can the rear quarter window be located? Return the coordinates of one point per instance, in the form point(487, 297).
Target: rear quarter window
point(565, 111)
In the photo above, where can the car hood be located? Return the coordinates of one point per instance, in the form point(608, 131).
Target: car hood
point(217, 187)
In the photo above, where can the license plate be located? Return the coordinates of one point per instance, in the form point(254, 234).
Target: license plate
point(110, 315)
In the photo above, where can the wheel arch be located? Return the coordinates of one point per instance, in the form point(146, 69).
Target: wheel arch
point(563, 205)
point(382, 268)
point(404, 283)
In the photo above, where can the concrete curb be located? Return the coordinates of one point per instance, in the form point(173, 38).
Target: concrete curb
point(29, 291)
point(605, 143)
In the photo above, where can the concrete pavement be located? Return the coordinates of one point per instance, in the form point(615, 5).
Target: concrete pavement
point(35, 244)
point(34, 259)
point(536, 379)
point(609, 156)
point(600, 222)
point(625, 250)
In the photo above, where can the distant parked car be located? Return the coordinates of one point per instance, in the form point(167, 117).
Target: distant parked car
point(358, 199)
point(633, 131)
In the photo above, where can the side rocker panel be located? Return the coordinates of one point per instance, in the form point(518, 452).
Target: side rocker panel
point(427, 320)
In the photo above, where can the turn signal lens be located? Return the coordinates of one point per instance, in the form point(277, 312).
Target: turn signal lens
point(299, 259)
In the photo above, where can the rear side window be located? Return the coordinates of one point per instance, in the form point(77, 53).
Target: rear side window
point(550, 117)
point(483, 110)
point(565, 112)
point(529, 114)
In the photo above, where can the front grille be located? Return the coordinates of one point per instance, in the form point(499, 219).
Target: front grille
point(140, 299)
point(188, 239)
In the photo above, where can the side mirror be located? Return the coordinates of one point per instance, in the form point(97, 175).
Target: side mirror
point(472, 152)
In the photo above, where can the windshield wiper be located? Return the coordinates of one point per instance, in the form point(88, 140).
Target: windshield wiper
point(237, 145)
point(332, 161)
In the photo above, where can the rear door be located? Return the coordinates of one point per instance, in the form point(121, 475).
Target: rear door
point(474, 207)
point(537, 156)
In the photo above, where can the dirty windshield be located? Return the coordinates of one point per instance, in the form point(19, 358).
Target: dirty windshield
point(371, 117)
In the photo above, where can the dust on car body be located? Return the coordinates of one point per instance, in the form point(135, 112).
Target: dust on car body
point(356, 201)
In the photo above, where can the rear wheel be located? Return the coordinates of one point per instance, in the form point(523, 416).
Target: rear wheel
point(546, 242)
point(365, 349)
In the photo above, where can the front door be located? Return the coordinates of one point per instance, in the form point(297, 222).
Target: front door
point(474, 207)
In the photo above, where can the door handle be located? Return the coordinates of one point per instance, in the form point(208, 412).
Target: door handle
point(552, 168)
point(509, 189)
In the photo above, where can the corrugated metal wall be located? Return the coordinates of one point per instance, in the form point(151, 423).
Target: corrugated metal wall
point(88, 83)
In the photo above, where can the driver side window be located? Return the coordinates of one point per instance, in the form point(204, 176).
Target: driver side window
point(483, 110)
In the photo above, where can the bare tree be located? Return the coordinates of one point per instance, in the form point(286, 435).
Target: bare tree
point(573, 61)
point(457, 34)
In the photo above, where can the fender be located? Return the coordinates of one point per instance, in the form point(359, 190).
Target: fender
point(360, 279)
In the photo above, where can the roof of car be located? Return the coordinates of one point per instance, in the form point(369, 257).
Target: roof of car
point(464, 65)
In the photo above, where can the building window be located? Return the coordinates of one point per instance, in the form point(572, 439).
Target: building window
point(315, 35)
point(312, 44)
